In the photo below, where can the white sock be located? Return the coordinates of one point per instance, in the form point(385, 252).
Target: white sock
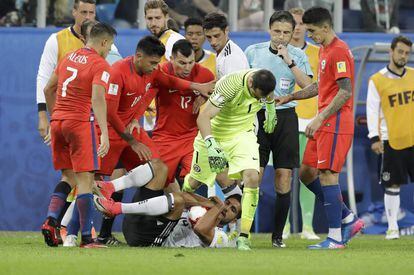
point(392, 205)
point(151, 207)
point(68, 215)
point(335, 233)
point(348, 218)
point(137, 177)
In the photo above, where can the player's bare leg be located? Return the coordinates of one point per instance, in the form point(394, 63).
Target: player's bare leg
point(250, 199)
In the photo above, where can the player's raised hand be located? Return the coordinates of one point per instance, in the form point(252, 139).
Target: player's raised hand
point(271, 118)
point(103, 146)
point(313, 126)
point(198, 102)
point(280, 100)
point(143, 152)
point(217, 201)
point(216, 157)
point(283, 52)
point(134, 124)
point(377, 147)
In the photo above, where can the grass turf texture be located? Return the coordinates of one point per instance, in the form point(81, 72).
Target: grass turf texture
point(26, 253)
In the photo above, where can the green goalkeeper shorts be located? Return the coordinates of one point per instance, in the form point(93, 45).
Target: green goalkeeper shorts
point(242, 153)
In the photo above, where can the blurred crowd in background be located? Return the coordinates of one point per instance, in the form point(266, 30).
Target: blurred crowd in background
point(390, 16)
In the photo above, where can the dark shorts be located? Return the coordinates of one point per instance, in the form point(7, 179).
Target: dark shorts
point(397, 165)
point(146, 230)
point(283, 142)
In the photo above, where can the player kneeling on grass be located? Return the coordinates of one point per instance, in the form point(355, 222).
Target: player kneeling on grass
point(155, 219)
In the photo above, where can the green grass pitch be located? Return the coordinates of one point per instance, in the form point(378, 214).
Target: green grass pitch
point(25, 253)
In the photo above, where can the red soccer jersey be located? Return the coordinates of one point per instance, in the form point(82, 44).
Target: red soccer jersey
point(175, 118)
point(77, 72)
point(335, 62)
point(129, 93)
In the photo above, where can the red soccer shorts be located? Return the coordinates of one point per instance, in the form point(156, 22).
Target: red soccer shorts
point(120, 151)
point(174, 153)
point(327, 151)
point(74, 145)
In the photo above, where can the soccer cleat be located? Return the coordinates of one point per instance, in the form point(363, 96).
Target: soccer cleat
point(103, 189)
point(308, 234)
point(110, 240)
point(278, 242)
point(49, 233)
point(108, 207)
point(92, 245)
point(392, 234)
point(327, 244)
point(70, 241)
point(349, 230)
point(243, 244)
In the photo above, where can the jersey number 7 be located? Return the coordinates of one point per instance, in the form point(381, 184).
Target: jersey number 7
point(69, 79)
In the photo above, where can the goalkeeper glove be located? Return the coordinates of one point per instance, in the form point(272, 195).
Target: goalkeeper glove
point(270, 117)
point(216, 157)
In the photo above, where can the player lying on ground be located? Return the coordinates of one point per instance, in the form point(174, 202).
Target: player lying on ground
point(155, 219)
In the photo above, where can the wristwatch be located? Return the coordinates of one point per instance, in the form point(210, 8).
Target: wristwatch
point(293, 64)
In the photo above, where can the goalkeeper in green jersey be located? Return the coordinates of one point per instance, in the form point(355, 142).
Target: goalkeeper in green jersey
point(226, 142)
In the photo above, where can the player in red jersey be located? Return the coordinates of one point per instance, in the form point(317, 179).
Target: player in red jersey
point(80, 81)
point(331, 132)
point(176, 126)
point(135, 81)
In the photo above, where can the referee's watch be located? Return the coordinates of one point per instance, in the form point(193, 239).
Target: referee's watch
point(293, 64)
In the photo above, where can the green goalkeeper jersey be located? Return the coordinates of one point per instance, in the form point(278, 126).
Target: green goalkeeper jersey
point(238, 106)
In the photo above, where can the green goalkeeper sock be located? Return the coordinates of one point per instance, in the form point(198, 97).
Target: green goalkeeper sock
point(307, 202)
point(249, 204)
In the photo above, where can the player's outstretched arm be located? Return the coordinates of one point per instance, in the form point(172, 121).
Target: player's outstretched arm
point(99, 109)
point(307, 92)
point(192, 199)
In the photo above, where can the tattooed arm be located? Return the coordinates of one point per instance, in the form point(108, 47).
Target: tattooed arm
point(307, 92)
point(344, 93)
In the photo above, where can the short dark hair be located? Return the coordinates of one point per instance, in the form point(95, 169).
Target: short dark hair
point(150, 45)
point(192, 21)
point(317, 16)
point(215, 20)
point(100, 29)
point(156, 4)
point(76, 3)
point(265, 81)
point(282, 16)
point(238, 198)
point(182, 46)
point(85, 25)
point(402, 39)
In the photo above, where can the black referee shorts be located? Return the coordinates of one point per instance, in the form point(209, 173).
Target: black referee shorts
point(283, 142)
point(397, 165)
point(146, 230)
